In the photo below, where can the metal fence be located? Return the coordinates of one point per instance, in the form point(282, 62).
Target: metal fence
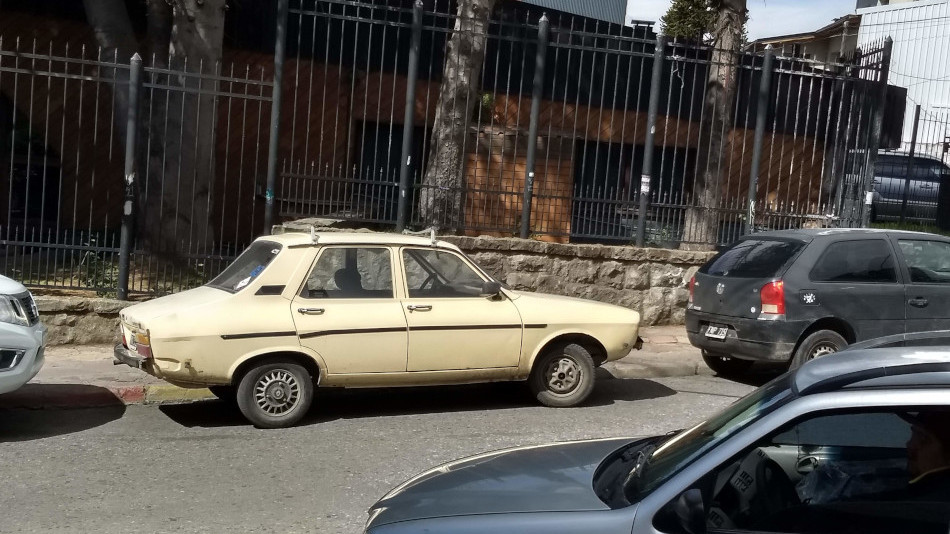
point(146, 177)
point(560, 139)
point(97, 147)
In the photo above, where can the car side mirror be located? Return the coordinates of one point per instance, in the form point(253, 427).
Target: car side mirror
point(690, 512)
point(491, 289)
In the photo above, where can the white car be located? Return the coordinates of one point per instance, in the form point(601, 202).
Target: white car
point(22, 336)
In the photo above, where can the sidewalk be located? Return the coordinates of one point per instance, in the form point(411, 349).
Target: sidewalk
point(76, 376)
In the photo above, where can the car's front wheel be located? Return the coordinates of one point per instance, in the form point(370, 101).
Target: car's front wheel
point(816, 345)
point(563, 376)
point(275, 394)
point(726, 365)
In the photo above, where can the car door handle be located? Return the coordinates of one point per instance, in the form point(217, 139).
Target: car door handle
point(918, 302)
point(419, 307)
point(311, 311)
point(807, 464)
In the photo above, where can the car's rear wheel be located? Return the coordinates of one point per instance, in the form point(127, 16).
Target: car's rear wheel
point(563, 376)
point(726, 365)
point(275, 394)
point(817, 345)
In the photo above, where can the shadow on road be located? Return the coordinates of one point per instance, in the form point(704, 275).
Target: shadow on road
point(758, 375)
point(332, 404)
point(38, 411)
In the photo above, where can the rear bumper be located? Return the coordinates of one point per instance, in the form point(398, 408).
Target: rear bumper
point(747, 339)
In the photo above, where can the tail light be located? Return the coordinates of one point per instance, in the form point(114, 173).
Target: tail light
point(692, 287)
point(773, 298)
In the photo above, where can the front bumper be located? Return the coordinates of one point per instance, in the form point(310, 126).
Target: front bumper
point(747, 339)
point(30, 340)
point(126, 356)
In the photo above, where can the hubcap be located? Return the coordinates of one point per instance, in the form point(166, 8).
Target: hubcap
point(277, 392)
point(563, 375)
point(823, 350)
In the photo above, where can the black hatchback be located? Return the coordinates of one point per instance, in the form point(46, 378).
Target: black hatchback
point(795, 295)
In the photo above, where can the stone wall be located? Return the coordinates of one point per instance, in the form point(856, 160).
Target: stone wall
point(78, 320)
point(651, 281)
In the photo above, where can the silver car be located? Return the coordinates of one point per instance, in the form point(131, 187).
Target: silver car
point(22, 336)
point(855, 442)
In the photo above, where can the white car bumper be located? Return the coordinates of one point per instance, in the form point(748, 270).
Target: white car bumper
point(21, 354)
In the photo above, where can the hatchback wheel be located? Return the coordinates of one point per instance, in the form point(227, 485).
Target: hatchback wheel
point(726, 365)
point(563, 376)
point(275, 394)
point(816, 345)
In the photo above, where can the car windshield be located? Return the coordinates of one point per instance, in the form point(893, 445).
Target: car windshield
point(660, 462)
point(247, 266)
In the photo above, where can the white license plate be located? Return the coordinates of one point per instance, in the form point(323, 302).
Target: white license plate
point(716, 332)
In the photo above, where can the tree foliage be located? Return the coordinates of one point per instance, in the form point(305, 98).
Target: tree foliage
point(688, 19)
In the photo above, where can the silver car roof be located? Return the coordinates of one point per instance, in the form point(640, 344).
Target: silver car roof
point(882, 367)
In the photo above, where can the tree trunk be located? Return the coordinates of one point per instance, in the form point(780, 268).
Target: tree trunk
point(440, 204)
point(702, 217)
point(177, 202)
point(113, 28)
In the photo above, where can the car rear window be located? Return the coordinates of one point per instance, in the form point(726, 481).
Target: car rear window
point(753, 258)
point(247, 266)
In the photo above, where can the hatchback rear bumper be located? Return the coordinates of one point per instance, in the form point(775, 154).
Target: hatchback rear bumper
point(747, 339)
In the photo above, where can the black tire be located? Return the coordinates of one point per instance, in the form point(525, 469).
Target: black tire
point(263, 393)
point(563, 376)
point(816, 345)
point(726, 365)
point(225, 393)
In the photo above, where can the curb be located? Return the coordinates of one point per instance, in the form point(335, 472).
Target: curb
point(52, 396)
point(666, 370)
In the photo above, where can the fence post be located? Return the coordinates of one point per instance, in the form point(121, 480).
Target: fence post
point(280, 52)
point(536, 94)
point(761, 114)
point(408, 124)
point(910, 164)
point(877, 128)
point(128, 204)
point(650, 141)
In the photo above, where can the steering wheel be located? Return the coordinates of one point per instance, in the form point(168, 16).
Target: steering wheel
point(775, 491)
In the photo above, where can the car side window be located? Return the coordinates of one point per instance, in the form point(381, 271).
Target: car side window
point(439, 274)
point(351, 273)
point(927, 261)
point(873, 472)
point(862, 261)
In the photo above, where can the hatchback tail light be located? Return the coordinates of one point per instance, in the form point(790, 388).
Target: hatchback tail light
point(692, 286)
point(773, 298)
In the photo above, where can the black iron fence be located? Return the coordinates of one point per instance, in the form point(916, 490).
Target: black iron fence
point(575, 130)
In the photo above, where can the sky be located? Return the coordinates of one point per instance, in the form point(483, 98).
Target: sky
point(767, 18)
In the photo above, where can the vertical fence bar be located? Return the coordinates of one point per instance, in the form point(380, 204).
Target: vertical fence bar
point(405, 159)
point(536, 94)
point(761, 114)
point(280, 52)
point(128, 205)
point(650, 141)
point(877, 127)
point(910, 163)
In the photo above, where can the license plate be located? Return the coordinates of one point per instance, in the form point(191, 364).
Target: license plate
point(716, 332)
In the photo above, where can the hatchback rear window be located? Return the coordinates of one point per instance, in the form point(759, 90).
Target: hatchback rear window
point(247, 266)
point(753, 258)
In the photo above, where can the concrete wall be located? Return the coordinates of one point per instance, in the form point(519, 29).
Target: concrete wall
point(651, 281)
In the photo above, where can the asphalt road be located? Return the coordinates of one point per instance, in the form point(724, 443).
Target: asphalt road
point(200, 468)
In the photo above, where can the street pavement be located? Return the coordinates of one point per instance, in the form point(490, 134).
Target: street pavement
point(84, 375)
point(199, 467)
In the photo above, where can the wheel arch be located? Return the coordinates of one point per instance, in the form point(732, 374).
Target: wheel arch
point(835, 324)
point(596, 349)
point(307, 361)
